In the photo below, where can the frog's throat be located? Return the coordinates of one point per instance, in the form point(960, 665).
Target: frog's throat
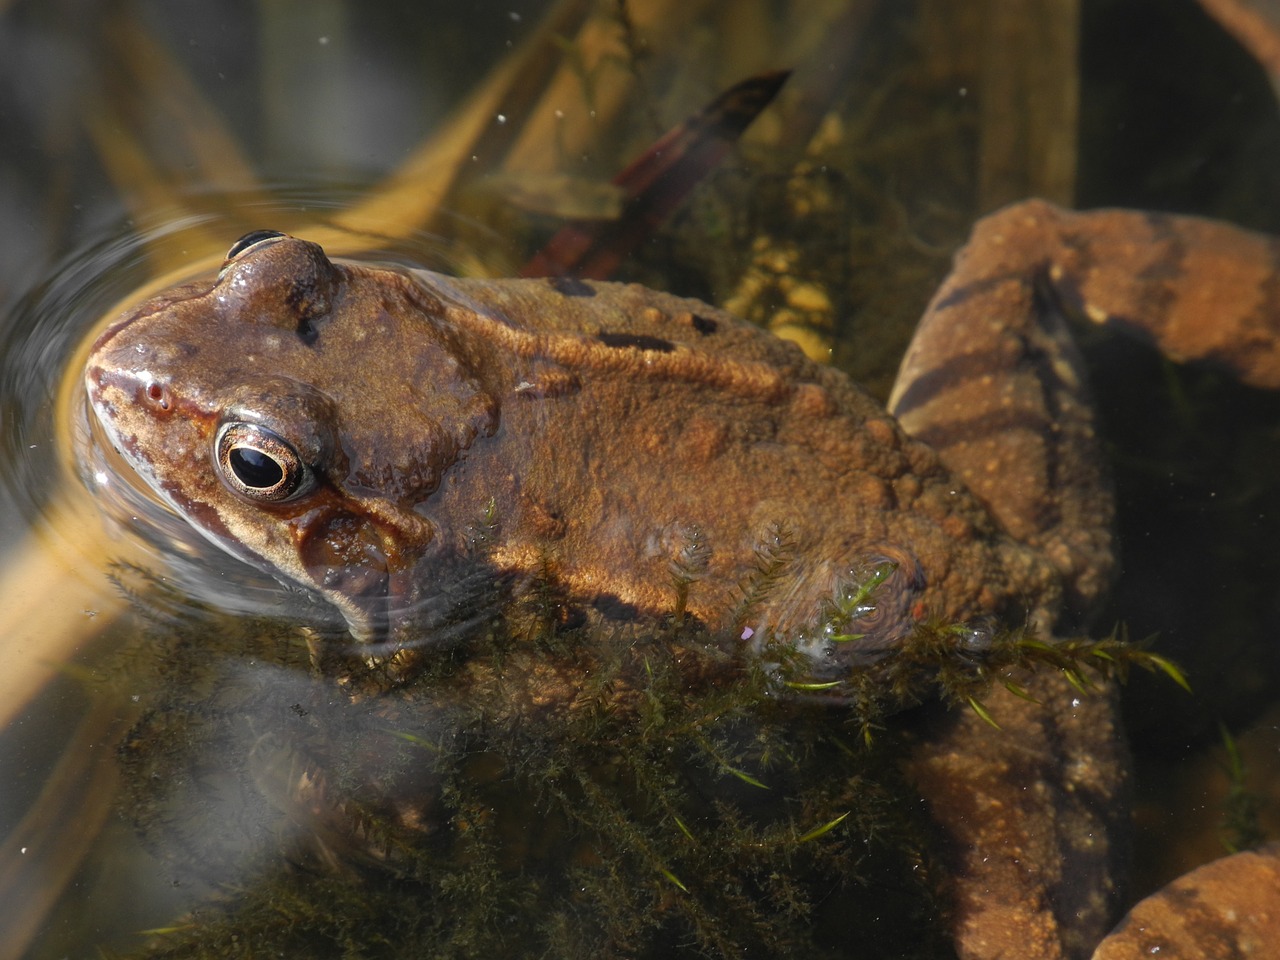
point(364, 560)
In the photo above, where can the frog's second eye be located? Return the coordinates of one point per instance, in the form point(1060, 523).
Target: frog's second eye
point(252, 241)
point(247, 244)
point(260, 464)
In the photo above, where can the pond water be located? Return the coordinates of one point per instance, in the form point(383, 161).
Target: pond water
point(148, 766)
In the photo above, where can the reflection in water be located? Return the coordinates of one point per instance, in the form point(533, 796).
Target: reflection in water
point(52, 573)
point(660, 809)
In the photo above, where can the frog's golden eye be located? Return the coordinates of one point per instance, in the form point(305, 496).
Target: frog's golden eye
point(260, 464)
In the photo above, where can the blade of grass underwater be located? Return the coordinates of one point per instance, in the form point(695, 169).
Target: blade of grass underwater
point(169, 91)
point(144, 190)
point(817, 832)
point(1170, 669)
point(149, 83)
point(745, 777)
point(55, 599)
point(673, 878)
point(412, 196)
point(980, 709)
point(599, 84)
point(42, 854)
point(656, 183)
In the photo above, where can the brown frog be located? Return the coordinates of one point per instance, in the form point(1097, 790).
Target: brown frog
point(378, 434)
point(349, 426)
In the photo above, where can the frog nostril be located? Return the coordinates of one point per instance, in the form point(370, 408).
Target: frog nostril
point(158, 395)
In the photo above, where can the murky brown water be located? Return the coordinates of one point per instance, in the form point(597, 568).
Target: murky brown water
point(113, 171)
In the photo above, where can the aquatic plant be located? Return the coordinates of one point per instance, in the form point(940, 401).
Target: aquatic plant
point(1240, 828)
point(558, 785)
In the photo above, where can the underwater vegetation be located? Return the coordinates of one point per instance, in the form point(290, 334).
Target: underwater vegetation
point(554, 786)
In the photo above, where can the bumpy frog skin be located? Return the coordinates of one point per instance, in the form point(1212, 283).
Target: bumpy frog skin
point(350, 427)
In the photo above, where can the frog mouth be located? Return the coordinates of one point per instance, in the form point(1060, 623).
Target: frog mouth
point(392, 602)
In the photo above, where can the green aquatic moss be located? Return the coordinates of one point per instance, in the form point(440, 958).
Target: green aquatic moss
point(555, 786)
point(1239, 828)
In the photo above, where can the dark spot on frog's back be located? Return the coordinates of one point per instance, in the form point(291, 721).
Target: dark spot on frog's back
point(704, 325)
point(571, 287)
point(310, 297)
point(635, 341)
point(306, 329)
